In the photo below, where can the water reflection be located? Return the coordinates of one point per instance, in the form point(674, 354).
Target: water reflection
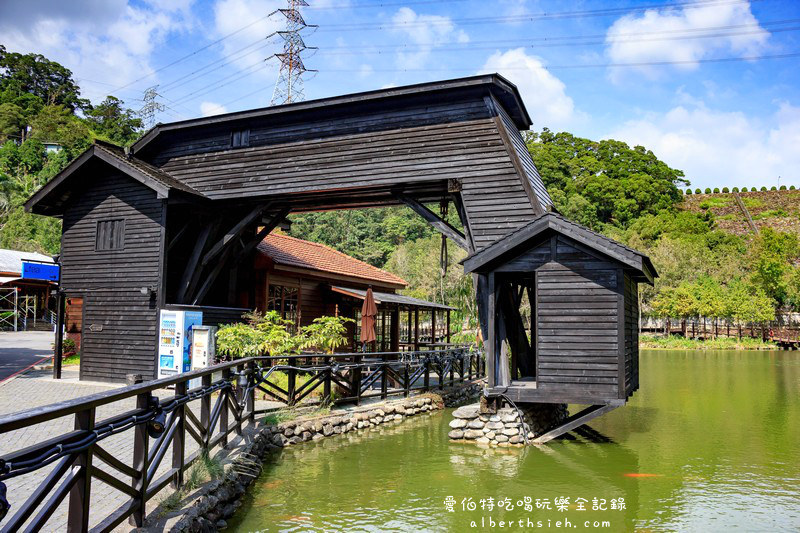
point(708, 444)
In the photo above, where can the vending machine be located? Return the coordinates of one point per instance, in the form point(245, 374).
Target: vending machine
point(203, 350)
point(175, 341)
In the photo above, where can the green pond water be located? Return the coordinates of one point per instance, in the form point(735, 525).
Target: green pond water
point(710, 442)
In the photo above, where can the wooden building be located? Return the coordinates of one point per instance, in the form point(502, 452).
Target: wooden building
point(304, 280)
point(25, 304)
point(582, 344)
point(175, 220)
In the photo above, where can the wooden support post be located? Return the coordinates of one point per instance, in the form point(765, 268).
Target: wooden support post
point(491, 341)
point(357, 378)
point(80, 494)
point(433, 325)
point(140, 449)
point(326, 385)
point(426, 383)
point(384, 376)
point(461, 372)
point(179, 440)
point(406, 384)
point(447, 333)
point(416, 329)
point(205, 411)
point(223, 414)
point(251, 394)
point(240, 384)
point(58, 355)
point(394, 335)
point(191, 273)
point(434, 220)
point(291, 386)
point(575, 421)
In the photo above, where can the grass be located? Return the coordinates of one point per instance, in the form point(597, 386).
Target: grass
point(752, 202)
point(770, 213)
point(206, 468)
point(676, 342)
point(715, 201)
point(71, 360)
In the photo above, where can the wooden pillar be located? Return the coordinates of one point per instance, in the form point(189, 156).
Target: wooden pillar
point(416, 329)
point(383, 330)
point(395, 330)
point(80, 494)
point(433, 325)
point(178, 447)
point(61, 301)
point(141, 443)
point(447, 333)
point(491, 344)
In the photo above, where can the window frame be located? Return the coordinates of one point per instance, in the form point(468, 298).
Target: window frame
point(116, 241)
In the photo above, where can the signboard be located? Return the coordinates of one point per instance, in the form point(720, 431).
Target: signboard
point(45, 271)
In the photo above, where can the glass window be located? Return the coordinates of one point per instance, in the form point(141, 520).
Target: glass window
point(285, 300)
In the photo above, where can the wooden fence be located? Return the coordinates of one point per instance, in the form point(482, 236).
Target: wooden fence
point(160, 426)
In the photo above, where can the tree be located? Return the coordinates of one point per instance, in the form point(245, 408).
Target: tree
point(771, 258)
point(710, 299)
point(35, 74)
point(113, 122)
point(603, 181)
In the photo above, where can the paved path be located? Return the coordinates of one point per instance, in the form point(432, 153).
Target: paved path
point(37, 388)
point(18, 350)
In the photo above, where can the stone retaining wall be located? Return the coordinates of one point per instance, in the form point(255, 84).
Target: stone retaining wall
point(505, 428)
point(220, 499)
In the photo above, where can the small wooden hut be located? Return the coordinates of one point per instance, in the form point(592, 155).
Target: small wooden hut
point(580, 344)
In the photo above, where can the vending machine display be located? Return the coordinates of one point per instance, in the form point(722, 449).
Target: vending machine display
point(175, 341)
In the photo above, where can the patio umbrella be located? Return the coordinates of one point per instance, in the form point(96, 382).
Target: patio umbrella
point(369, 311)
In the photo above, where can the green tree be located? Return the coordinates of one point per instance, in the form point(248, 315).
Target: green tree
point(111, 121)
point(35, 74)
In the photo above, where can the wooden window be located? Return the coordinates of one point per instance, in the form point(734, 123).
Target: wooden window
point(240, 138)
point(285, 300)
point(110, 234)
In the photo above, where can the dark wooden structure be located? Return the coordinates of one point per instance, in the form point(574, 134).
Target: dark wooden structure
point(582, 343)
point(174, 219)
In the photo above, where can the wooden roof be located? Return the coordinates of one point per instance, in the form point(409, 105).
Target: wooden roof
point(519, 240)
point(57, 190)
point(390, 298)
point(292, 252)
point(499, 86)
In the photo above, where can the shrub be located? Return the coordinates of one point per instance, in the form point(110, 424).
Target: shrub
point(763, 189)
point(725, 189)
point(697, 191)
point(791, 187)
point(688, 191)
point(716, 190)
point(735, 189)
point(773, 188)
point(708, 191)
point(783, 187)
point(753, 189)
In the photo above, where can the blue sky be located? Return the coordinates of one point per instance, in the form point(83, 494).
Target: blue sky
point(679, 77)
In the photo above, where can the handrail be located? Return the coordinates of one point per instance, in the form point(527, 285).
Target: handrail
point(163, 423)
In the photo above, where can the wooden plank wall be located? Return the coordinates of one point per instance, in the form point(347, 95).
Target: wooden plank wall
point(119, 328)
point(631, 336)
point(577, 322)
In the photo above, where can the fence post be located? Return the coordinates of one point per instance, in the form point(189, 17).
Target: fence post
point(406, 384)
point(223, 414)
point(426, 382)
point(178, 441)
point(326, 385)
point(239, 397)
point(251, 394)
point(291, 386)
point(80, 493)
point(357, 378)
point(140, 445)
point(462, 359)
point(452, 370)
point(205, 412)
point(384, 376)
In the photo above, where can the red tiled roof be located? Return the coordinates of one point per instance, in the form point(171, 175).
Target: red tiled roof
point(289, 251)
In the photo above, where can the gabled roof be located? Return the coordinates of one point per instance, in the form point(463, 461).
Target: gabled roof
point(501, 88)
point(292, 252)
point(513, 244)
point(390, 298)
point(154, 178)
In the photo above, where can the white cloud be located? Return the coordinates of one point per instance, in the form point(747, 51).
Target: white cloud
point(543, 94)
point(424, 32)
point(661, 35)
point(721, 148)
point(107, 42)
point(212, 108)
point(249, 46)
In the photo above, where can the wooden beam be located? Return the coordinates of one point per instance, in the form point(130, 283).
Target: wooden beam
point(190, 271)
point(515, 331)
point(234, 233)
point(227, 253)
point(178, 235)
point(270, 225)
point(576, 420)
point(434, 220)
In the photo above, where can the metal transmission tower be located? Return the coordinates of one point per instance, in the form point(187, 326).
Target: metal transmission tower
point(150, 107)
point(289, 87)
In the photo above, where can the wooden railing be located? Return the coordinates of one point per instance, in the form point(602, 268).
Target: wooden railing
point(160, 425)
